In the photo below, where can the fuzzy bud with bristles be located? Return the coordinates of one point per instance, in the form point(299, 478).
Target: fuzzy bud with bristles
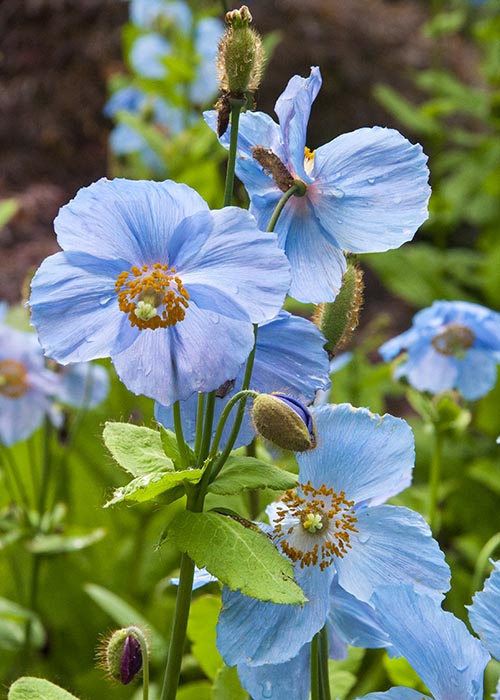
point(121, 655)
point(284, 421)
point(240, 60)
point(338, 319)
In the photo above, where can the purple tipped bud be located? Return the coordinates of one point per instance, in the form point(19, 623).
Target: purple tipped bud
point(285, 421)
point(131, 661)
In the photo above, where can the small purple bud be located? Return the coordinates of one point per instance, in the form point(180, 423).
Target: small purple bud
point(301, 410)
point(131, 661)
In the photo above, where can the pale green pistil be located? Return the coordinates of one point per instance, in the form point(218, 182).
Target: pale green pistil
point(145, 310)
point(313, 522)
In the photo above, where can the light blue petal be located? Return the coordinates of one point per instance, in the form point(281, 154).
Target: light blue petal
point(131, 220)
point(253, 632)
point(124, 140)
point(428, 370)
point(393, 545)
point(368, 456)
point(84, 385)
point(391, 349)
point(74, 307)
point(205, 84)
point(370, 189)
point(198, 354)
point(397, 693)
point(477, 374)
point(293, 108)
point(145, 13)
point(436, 644)
point(483, 613)
point(241, 263)
point(287, 681)
point(317, 264)
point(147, 54)
point(20, 417)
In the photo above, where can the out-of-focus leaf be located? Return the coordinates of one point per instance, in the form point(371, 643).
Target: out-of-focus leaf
point(8, 207)
point(227, 685)
point(13, 621)
point(203, 616)
point(28, 688)
point(57, 544)
point(199, 690)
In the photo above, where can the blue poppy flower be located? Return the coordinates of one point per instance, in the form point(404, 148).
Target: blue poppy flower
point(149, 14)
point(483, 613)
point(27, 387)
point(153, 279)
point(335, 529)
point(147, 56)
point(366, 191)
point(435, 643)
point(289, 357)
point(451, 345)
point(83, 385)
point(205, 84)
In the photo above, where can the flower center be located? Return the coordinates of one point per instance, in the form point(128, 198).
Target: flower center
point(453, 340)
point(308, 160)
point(153, 296)
point(313, 526)
point(13, 379)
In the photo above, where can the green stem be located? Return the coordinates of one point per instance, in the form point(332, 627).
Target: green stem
point(323, 664)
point(224, 416)
point(482, 560)
point(315, 679)
point(199, 423)
point(295, 189)
point(143, 643)
point(181, 443)
point(435, 477)
point(208, 423)
point(176, 647)
point(236, 106)
point(11, 466)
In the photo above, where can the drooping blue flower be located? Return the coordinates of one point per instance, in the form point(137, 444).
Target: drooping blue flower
point(451, 345)
point(436, 644)
point(27, 387)
point(147, 56)
point(343, 541)
point(484, 612)
point(152, 278)
point(366, 191)
point(289, 357)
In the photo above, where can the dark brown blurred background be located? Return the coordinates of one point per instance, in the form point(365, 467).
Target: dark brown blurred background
point(56, 57)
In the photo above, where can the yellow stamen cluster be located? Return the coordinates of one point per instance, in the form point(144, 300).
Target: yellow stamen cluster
point(308, 160)
point(453, 340)
point(152, 296)
point(13, 379)
point(324, 516)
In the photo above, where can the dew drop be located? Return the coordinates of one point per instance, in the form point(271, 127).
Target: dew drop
point(371, 180)
point(267, 689)
point(105, 300)
point(340, 221)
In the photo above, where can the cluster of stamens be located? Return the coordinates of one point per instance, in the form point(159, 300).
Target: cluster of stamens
point(453, 340)
point(13, 379)
point(153, 296)
point(313, 526)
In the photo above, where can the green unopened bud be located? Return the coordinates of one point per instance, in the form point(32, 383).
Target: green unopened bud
point(240, 60)
point(122, 654)
point(338, 319)
point(284, 421)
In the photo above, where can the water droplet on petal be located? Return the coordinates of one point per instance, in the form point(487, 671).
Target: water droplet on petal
point(371, 180)
point(267, 689)
point(105, 300)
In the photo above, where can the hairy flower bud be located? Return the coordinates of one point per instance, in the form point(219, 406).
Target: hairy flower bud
point(284, 421)
point(338, 319)
point(241, 55)
point(122, 654)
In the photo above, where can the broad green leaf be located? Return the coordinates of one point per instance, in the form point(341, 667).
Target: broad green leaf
point(125, 615)
point(28, 688)
point(401, 673)
point(241, 557)
point(203, 616)
point(171, 448)
point(13, 621)
point(341, 682)
point(57, 544)
point(199, 690)
point(227, 685)
point(242, 473)
point(136, 448)
point(150, 486)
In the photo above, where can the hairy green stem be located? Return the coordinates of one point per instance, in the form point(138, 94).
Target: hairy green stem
point(323, 664)
point(208, 423)
point(181, 443)
point(199, 423)
point(315, 678)
point(236, 106)
point(225, 415)
point(295, 189)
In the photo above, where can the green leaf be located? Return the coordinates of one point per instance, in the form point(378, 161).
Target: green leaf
point(13, 621)
point(203, 616)
point(125, 615)
point(241, 557)
point(137, 449)
point(149, 486)
point(401, 673)
point(8, 207)
point(341, 682)
point(227, 685)
point(242, 473)
point(199, 690)
point(28, 688)
point(57, 544)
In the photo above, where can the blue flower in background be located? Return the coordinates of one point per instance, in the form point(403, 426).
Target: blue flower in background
point(435, 643)
point(148, 14)
point(204, 86)
point(83, 385)
point(26, 385)
point(147, 56)
point(343, 541)
point(366, 191)
point(289, 357)
point(451, 345)
point(152, 278)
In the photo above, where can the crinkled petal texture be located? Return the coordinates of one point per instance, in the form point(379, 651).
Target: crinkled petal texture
point(253, 632)
point(393, 545)
point(436, 644)
point(472, 370)
point(484, 612)
point(279, 681)
point(289, 358)
point(368, 456)
point(397, 693)
point(234, 274)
